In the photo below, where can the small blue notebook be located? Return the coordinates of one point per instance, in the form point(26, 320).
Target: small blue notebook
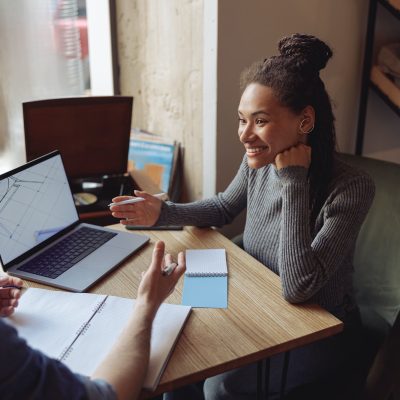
point(206, 279)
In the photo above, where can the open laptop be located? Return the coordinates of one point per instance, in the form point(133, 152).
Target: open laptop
point(41, 237)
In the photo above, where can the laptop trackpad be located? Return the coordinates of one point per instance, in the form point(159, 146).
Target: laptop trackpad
point(94, 266)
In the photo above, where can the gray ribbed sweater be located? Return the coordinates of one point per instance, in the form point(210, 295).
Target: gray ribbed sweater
point(312, 266)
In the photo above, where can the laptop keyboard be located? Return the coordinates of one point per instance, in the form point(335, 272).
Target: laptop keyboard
point(66, 253)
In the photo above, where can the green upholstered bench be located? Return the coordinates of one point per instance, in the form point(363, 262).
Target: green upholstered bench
point(377, 276)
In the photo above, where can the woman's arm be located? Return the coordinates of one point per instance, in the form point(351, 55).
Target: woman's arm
point(216, 211)
point(306, 263)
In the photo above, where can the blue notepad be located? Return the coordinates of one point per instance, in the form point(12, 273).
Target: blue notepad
point(206, 279)
point(205, 291)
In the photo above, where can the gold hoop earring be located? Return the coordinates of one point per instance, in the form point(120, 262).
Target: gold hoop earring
point(301, 127)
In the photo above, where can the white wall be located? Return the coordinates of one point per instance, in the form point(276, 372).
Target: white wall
point(249, 30)
point(160, 55)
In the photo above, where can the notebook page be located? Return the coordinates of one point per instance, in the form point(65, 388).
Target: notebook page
point(49, 320)
point(167, 326)
point(206, 262)
point(104, 329)
point(100, 334)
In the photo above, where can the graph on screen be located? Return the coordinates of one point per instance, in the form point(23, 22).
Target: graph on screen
point(35, 204)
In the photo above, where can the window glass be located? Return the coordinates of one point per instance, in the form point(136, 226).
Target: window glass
point(43, 54)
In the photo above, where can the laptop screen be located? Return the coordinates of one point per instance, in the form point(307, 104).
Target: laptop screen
point(35, 204)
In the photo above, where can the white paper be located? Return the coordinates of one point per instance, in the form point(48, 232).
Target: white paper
point(100, 334)
point(206, 262)
point(49, 320)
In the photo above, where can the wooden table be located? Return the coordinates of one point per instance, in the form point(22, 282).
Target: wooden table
point(258, 322)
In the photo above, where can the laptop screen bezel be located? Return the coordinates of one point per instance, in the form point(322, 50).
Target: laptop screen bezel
point(47, 241)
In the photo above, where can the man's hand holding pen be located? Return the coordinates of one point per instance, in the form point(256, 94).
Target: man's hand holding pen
point(10, 292)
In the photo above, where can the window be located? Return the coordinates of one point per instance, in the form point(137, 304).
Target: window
point(45, 52)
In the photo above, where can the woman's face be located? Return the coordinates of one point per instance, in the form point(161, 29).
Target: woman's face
point(266, 128)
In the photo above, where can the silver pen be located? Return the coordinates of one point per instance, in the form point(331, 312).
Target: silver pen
point(161, 196)
point(169, 269)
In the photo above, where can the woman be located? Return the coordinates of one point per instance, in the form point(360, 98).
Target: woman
point(304, 206)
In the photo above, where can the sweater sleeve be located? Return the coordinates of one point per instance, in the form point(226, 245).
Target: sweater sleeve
point(26, 373)
point(306, 264)
point(215, 211)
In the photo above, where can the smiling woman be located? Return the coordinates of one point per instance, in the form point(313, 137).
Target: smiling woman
point(304, 208)
point(267, 128)
point(297, 97)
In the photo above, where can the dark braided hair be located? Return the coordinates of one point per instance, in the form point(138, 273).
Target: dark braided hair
point(294, 78)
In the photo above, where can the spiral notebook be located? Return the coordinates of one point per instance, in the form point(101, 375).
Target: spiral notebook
point(206, 262)
point(206, 279)
point(79, 329)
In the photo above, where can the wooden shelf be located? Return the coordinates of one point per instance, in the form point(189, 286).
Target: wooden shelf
point(389, 92)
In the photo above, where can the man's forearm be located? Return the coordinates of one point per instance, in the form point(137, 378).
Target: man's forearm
point(125, 367)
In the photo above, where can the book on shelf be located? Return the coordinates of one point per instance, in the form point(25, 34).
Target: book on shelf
point(160, 159)
point(79, 329)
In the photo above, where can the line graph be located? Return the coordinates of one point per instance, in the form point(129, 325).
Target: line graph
point(35, 200)
point(8, 190)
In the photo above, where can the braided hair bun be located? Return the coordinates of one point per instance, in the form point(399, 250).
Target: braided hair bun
point(305, 51)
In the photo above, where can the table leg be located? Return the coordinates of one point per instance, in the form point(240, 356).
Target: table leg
point(267, 367)
point(284, 374)
point(263, 369)
point(259, 393)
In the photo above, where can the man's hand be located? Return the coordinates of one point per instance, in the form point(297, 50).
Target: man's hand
point(8, 295)
point(299, 155)
point(126, 364)
point(155, 287)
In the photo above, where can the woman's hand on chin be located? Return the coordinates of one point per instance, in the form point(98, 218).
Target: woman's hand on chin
point(299, 156)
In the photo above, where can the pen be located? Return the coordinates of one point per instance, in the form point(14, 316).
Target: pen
point(11, 287)
point(169, 269)
point(161, 196)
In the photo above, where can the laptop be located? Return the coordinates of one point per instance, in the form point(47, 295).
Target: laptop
point(41, 236)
